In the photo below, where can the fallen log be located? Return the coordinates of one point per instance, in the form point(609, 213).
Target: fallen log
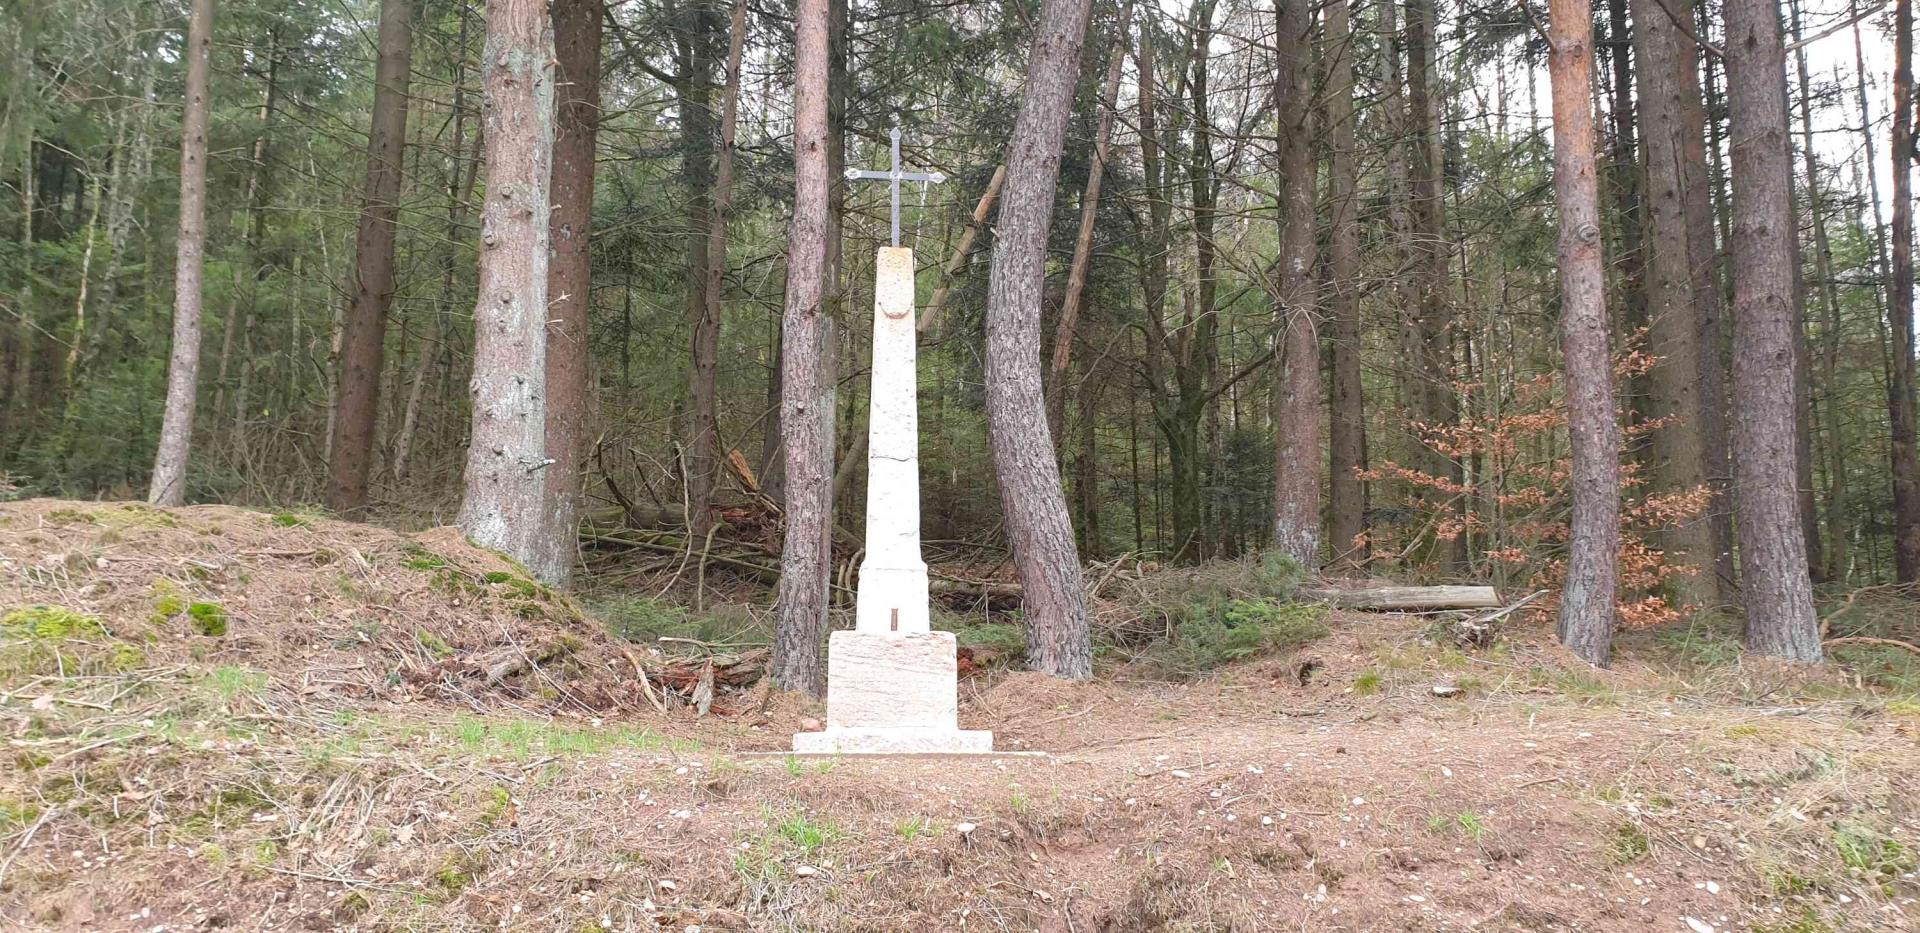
point(1407, 598)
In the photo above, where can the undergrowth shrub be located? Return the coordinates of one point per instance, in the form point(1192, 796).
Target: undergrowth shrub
point(646, 619)
point(1217, 633)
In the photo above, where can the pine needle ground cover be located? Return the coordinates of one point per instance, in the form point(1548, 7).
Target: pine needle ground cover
point(386, 732)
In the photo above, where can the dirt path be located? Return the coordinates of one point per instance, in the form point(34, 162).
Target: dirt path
point(199, 783)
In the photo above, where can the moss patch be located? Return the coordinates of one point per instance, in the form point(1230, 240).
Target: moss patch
point(209, 619)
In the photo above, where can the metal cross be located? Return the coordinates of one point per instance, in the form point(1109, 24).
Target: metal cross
point(894, 178)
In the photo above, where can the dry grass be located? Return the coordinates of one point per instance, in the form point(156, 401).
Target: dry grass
point(230, 780)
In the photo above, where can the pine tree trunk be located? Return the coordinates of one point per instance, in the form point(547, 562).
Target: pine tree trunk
point(1777, 590)
point(1066, 329)
point(1296, 403)
point(169, 484)
point(363, 333)
point(505, 503)
point(1623, 171)
point(697, 178)
point(576, 40)
point(807, 390)
point(1900, 389)
point(1676, 455)
point(1054, 596)
point(704, 455)
point(1436, 406)
point(1837, 532)
point(1587, 600)
point(1347, 426)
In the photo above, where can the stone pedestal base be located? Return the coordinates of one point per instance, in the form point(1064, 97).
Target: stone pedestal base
point(892, 693)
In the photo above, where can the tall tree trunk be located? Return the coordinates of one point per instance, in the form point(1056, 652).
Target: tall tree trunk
point(1066, 329)
point(1587, 600)
point(364, 332)
point(1195, 378)
point(1296, 402)
point(1709, 294)
point(1347, 426)
point(238, 322)
point(1836, 526)
point(697, 178)
point(703, 461)
point(461, 173)
point(1777, 590)
point(1677, 453)
point(1437, 407)
point(169, 484)
point(1900, 389)
point(505, 503)
point(1623, 170)
point(1054, 596)
point(576, 40)
point(807, 390)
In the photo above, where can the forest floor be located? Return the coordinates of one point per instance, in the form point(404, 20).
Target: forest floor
point(243, 720)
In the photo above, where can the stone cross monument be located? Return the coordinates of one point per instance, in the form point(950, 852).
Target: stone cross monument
point(892, 687)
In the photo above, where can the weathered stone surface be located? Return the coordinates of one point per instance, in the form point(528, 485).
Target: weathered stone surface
point(892, 693)
point(893, 578)
point(886, 680)
point(894, 742)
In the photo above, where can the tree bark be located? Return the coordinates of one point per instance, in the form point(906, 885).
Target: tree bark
point(1066, 328)
point(505, 503)
point(576, 40)
point(1436, 406)
point(459, 181)
point(169, 483)
point(1296, 403)
point(238, 322)
point(807, 390)
point(364, 332)
point(1900, 389)
point(1778, 592)
point(1837, 532)
point(963, 249)
point(1023, 453)
point(697, 127)
point(1587, 600)
point(1347, 426)
point(1677, 453)
point(703, 471)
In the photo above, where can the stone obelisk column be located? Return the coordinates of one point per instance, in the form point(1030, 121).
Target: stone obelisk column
point(892, 686)
point(893, 578)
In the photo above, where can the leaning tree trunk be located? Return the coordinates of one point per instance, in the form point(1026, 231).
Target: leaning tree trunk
point(1587, 600)
point(806, 392)
point(576, 40)
point(1053, 595)
point(169, 485)
point(1346, 428)
point(1296, 402)
point(1066, 330)
point(1900, 389)
point(1775, 584)
point(505, 503)
point(363, 335)
point(1677, 455)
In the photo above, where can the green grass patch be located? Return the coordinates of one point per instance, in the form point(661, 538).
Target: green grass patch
point(209, 618)
point(524, 738)
point(1628, 843)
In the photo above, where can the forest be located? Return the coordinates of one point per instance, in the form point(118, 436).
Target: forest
point(468, 401)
